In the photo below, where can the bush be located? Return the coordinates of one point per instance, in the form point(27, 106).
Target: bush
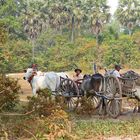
point(49, 121)
point(87, 106)
point(9, 93)
point(123, 51)
point(42, 105)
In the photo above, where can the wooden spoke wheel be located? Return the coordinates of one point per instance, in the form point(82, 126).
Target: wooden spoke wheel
point(114, 92)
point(71, 103)
point(113, 87)
point(70, 93)
point(95, 101)
point(114, 108)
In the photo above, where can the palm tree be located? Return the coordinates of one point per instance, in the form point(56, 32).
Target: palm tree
point(99, 15)
point(76, 14)
point(73, 14)
point(56, 14)
point(128, 14)
point(33, 24)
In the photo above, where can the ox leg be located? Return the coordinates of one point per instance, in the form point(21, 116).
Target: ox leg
point(135, 109)
point(138, 109)
point(138, 106)
point(53, 92)
point(34, 92)
point(53, 96)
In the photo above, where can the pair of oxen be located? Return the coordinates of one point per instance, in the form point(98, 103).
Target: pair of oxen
point(52, 81)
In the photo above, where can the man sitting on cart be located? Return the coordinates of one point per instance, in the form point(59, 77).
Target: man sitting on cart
point(77, 76)
point(116, 71)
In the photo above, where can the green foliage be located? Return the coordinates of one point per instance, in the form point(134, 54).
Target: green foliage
point(106, 128)
point(3, 35)
point(60, 21)
point(62, 55)
point(123, 51)
point(47, 121)
point(16, 55)
point(9, 91)
point(128, 14)
point(54, 52)
point(10, 12)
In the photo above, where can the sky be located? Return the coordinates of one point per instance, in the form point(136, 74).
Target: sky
point(113, 5)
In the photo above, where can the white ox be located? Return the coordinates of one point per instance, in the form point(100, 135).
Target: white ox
point(48, 80)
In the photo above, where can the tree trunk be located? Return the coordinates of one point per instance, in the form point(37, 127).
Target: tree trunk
point(97, 41)
point(72, 31)
point(78, 26)
point(98, 51)
point(33, 50)
point(130, 32)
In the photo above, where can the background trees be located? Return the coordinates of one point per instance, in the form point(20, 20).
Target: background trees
point(128, 14)
point(10, 16)
point(69, 34)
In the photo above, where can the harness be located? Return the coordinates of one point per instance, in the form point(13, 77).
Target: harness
point(31, 77)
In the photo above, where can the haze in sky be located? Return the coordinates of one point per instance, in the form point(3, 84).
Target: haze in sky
point(113, 5)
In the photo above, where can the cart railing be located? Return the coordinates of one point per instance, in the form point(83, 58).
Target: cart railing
point(128, 85)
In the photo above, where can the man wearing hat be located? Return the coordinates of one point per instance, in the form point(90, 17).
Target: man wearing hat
point(115, 72)
point(77, 75)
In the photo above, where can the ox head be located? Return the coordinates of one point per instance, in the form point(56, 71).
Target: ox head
point(96, 81)
point(86, 76)
point(29, 73)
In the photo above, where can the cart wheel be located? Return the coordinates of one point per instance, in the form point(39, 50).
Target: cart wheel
point(114, 108)
point(95, 101)
point(71, 103)
point(113, 87)
point(114, 91)
point(70, 92)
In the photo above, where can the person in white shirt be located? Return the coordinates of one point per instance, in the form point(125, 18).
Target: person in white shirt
point(116, 71)
point(77, 75)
